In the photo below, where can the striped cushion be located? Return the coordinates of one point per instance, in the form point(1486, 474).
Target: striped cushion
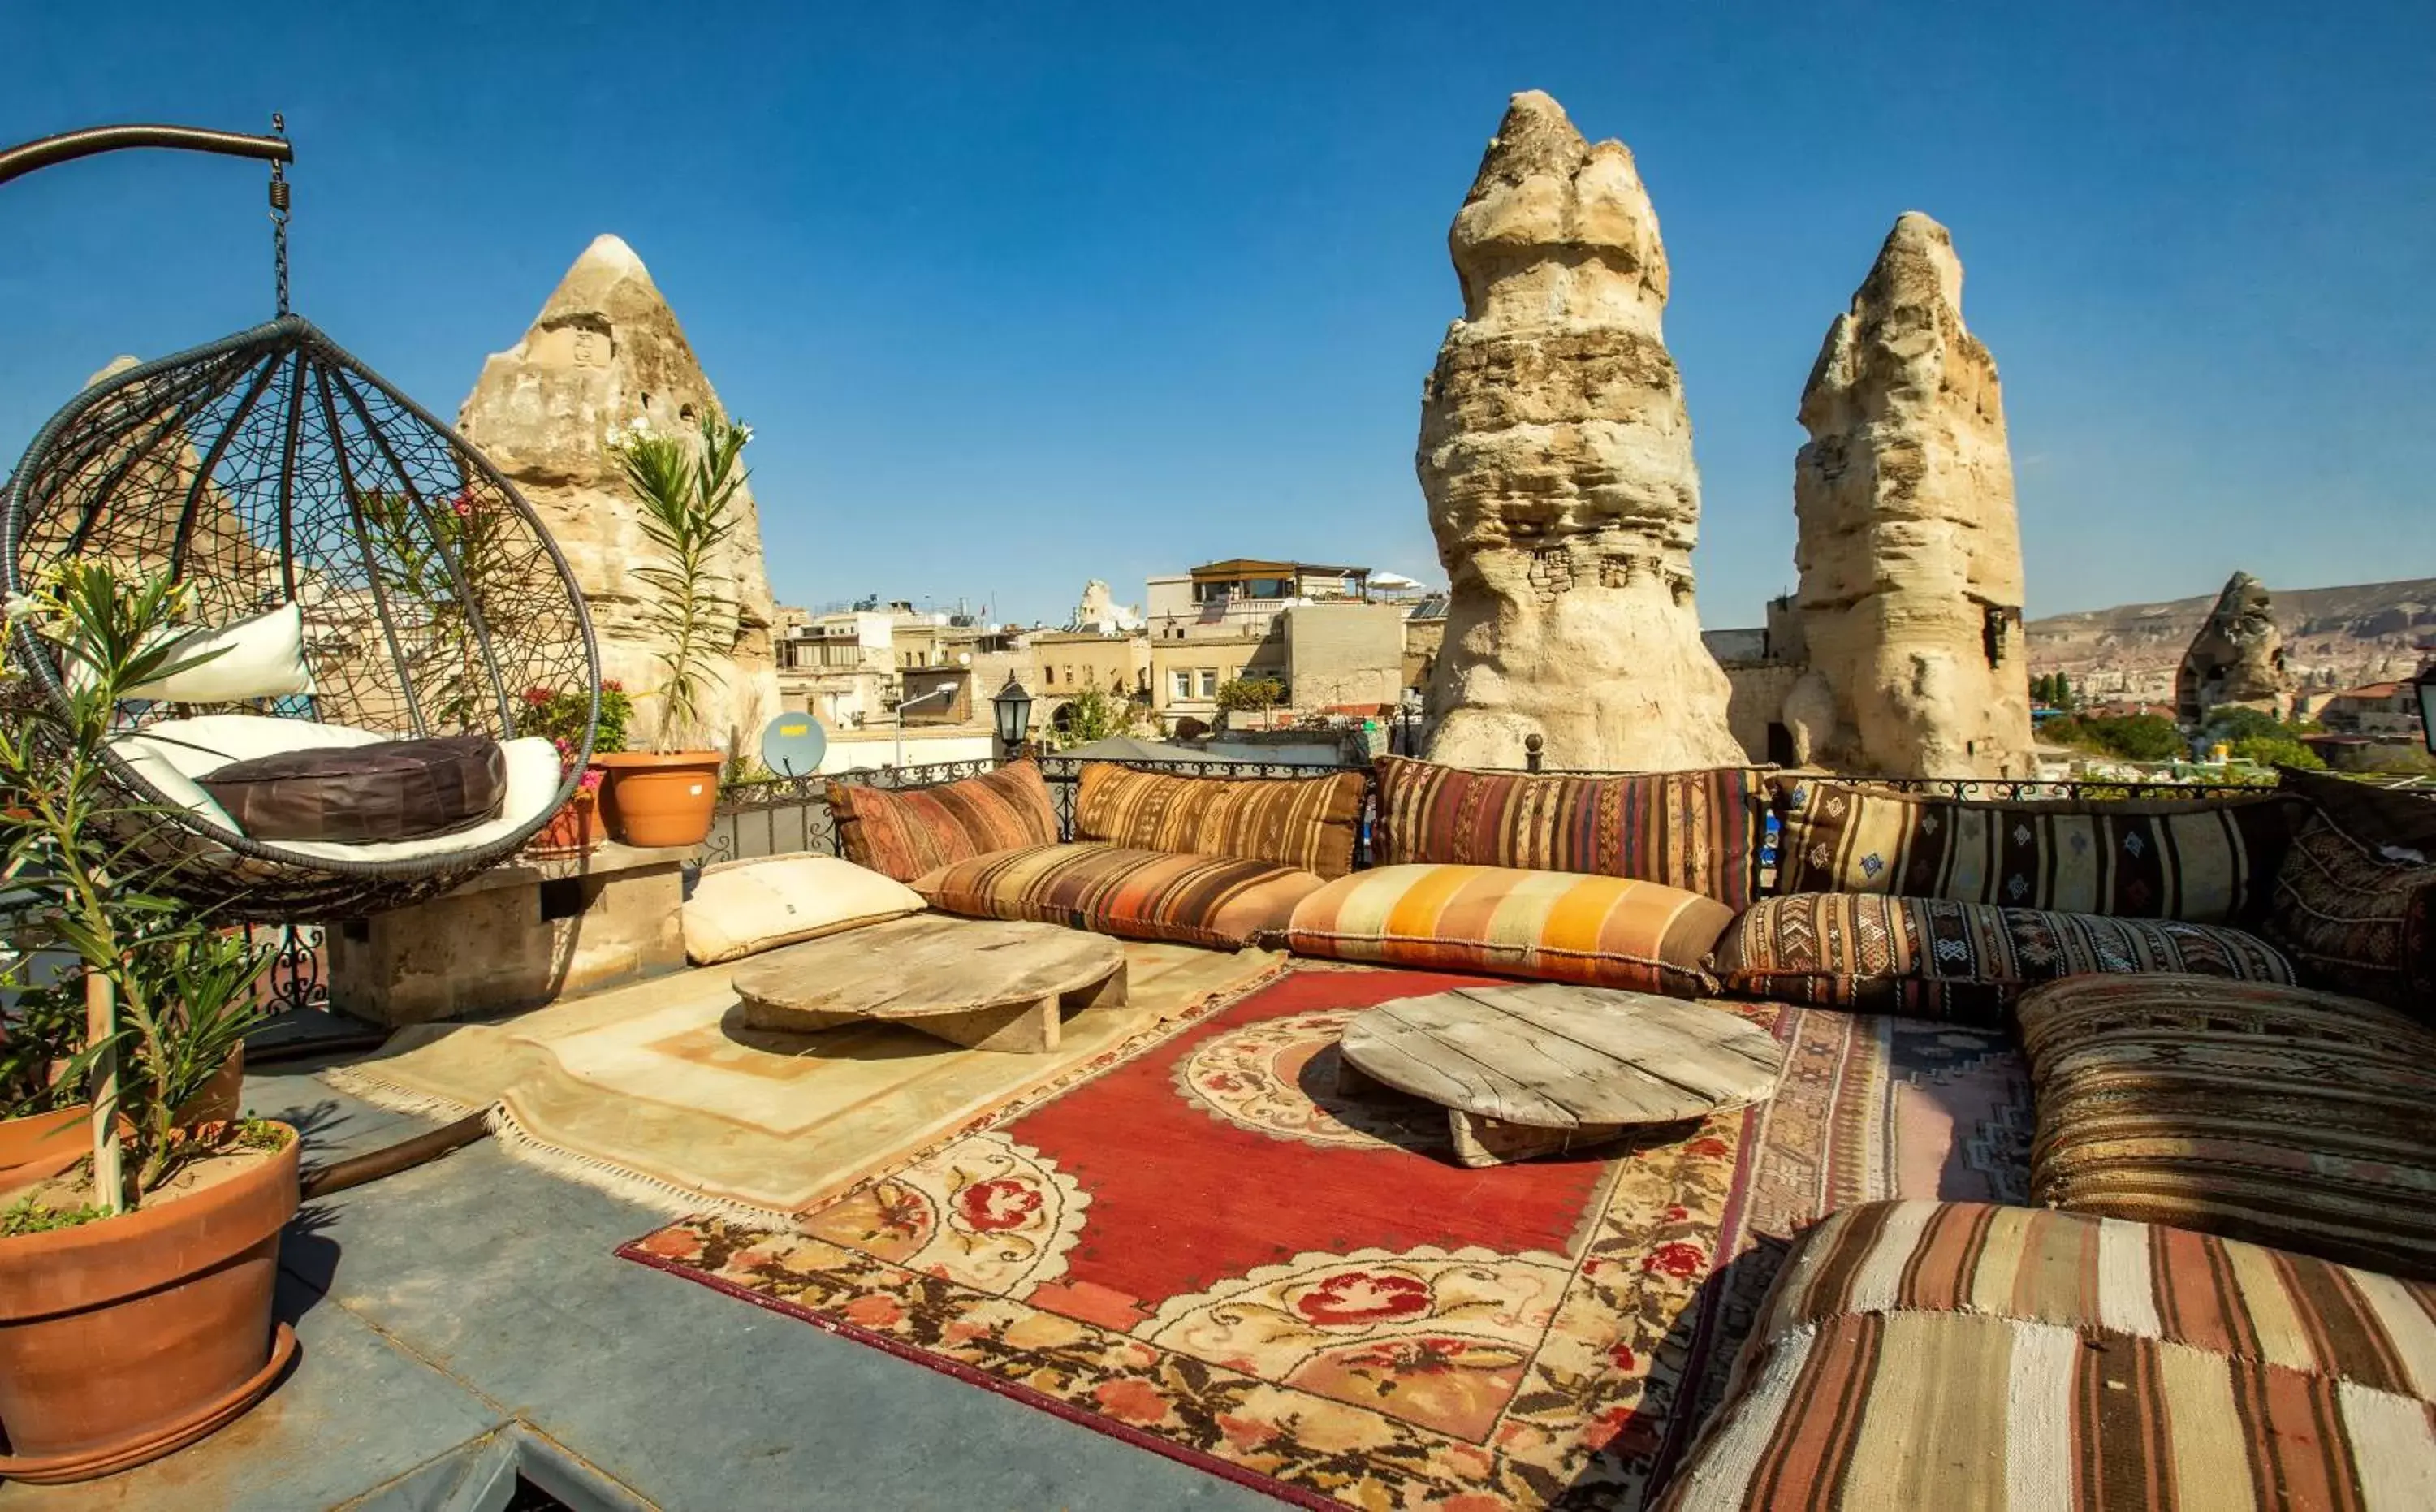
point(907, 833)
point(1600, 931)
point(1920, 1354)
point(2200, 862)
point(1307, 822)
point(2273, 1114)
point(2355, 901)
point(1214, 901)
point(1932, 959)
point(1696, 830)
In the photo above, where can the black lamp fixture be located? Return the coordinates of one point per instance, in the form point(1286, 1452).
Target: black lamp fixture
point(1013, 707)
point(2425, 685)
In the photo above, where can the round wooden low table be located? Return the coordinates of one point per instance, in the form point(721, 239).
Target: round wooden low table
point(987, 983)
point(1536, 1070)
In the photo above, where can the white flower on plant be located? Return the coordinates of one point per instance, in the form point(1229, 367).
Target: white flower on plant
point(745, 432)
point(21, 607)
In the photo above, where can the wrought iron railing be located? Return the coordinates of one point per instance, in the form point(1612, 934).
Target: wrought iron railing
point(774, 816)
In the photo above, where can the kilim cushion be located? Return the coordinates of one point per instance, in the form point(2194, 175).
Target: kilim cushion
point(1696, 830)
point(1918, 1354)
point(907, 833)
point(1217, 901)
point(1307, 822)
point(1930, 958)
point(2200, 862)
point(2356, 901)
point(2273, 1114)
point(1599, 932)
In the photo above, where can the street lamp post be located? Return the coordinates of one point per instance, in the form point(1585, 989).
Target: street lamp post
point(1012, 707)
point(2425, 685)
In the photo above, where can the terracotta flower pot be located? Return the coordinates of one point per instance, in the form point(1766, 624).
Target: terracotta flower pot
point(659, 800)
point(574, 830)
point(123, 1339)
point(40, 1145)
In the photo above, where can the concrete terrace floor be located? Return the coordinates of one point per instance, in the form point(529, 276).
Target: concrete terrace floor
point(466, 1322)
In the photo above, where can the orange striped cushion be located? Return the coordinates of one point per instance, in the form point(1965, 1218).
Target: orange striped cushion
point(1599, 932)
point(906, 833)
point(1216, 902)
point(1306, 822)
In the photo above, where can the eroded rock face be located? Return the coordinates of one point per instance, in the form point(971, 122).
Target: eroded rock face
point(605, 348)
point(1557, 459)
point(1910, 551)
point(2236, 659)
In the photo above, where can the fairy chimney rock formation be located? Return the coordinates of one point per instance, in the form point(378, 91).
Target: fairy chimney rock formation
point(1909, 551)
point(2237, 659)
point(605, 350)
point(1557, 459)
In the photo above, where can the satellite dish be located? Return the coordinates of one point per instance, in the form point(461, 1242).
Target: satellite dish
point(793, 744)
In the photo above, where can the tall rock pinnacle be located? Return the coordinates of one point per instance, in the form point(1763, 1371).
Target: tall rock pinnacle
point(1909, 551)
point(1557, 459)
point(606, 348)
point(2236, 658)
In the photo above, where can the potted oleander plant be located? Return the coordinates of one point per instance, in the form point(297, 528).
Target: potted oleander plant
point(687, 487)
point(136, 1281)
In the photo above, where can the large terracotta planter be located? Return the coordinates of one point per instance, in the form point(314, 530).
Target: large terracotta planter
point(659, 800)
point(40, 1145)
point(124, 1339)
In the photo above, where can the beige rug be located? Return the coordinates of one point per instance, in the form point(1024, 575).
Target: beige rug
point(660, 1094)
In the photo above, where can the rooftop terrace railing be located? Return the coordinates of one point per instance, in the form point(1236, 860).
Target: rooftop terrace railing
point(777, 816)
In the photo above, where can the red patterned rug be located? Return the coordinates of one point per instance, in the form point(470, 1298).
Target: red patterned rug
point(1201, 1249)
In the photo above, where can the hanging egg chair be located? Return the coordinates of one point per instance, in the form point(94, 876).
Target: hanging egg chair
point(375, 580)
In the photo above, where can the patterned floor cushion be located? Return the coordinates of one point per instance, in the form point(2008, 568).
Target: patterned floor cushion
point(910, 832)
point(1696, 830)
point(1919, 1354)
point(2205, 863)
point(2273, 1114)
point(1215, 901)
point(2354, 904)
point(1930, 958)
point(1600, 931)
point(1311, 824)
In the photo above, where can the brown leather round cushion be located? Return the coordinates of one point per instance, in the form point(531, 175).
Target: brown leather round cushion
point(395, 789)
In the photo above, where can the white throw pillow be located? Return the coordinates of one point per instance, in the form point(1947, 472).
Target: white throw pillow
point(260, 657)
point(740, 907)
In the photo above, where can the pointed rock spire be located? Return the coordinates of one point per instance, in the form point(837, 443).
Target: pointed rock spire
point(606, 348)
point(2236, 658)
point(1557, 459)
point(1909, 551)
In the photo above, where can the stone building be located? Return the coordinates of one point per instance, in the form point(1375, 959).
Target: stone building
point(605, 351)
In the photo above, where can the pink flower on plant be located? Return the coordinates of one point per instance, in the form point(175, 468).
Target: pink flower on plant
point(590, 781)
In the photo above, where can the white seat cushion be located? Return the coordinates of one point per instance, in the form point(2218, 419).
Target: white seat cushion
point(258, 657)
point(740, 907)
point(173, 753)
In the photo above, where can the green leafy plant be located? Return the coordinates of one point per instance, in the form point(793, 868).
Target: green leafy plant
point(2128, 737)
point(688, 488)
point(437, 561)
point(559, 717)
point(167, 995)
point(1250, 695)
point(1094, 714)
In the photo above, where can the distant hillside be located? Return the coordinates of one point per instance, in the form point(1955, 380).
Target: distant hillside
point(2333, 638)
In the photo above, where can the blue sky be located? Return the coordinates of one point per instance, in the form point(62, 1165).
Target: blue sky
point(1019, 294)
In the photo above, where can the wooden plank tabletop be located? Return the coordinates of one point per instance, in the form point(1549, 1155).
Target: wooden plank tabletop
point(1559, 1057)
point(915, 967)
